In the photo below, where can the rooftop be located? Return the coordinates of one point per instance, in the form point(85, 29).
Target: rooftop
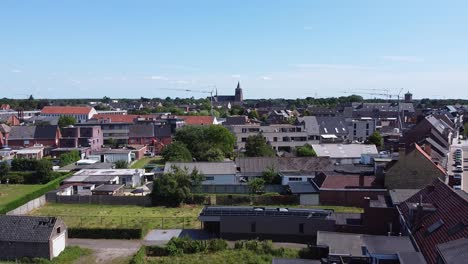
point(108, 187)
point(67, 110)
point(206, 168)
point(26, 228)
point(263, 211)
point(454, 251)
point(344, 150)
point(108, 172)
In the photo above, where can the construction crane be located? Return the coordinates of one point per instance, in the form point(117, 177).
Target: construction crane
point(199, 91)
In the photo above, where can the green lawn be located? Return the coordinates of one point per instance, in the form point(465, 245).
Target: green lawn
point(103, 216)
point(226, 256)
point(139, 164)
point(12, 192)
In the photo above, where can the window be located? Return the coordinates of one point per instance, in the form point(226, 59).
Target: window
point(301, 228)
point(367, 126)
point(431, 229)
point(209, 178)
point(244, 130)
point(59, 230)
point(253, 227)
point(275, 139)
point(295, 179)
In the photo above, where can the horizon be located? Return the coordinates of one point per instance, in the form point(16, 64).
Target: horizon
point(288, 50)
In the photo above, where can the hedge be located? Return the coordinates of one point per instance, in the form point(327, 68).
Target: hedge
point(106, 233)
point(139, 257)
point(50, 186)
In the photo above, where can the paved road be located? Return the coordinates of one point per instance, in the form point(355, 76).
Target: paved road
point(106, 250)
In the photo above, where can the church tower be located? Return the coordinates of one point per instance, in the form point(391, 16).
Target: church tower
point(238, 97)
point(408, 97)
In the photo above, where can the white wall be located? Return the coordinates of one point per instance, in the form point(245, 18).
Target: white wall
point(309, 199)
point(221, 179)
point(286, 179)
point(58, 244)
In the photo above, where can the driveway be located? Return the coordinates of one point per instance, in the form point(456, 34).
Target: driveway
point(108, 250)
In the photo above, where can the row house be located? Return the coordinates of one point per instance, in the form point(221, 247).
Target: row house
point(82, 136)
point(280, 137)
point(27, 136)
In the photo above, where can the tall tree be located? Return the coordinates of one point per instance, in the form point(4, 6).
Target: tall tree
point(177, 151)
point(375, 139)
point(65, 121)
point(256, 146)
point(4, 170)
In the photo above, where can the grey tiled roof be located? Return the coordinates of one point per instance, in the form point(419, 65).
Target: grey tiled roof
point(33, 132)
point(26, 228)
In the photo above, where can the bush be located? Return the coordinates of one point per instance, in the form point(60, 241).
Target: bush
point(139, 257)
point(106, 233)
point(215, 245)
point(69, 158)
point(156, 251)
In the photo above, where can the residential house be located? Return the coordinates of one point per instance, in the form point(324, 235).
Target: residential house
point(82, 136)
point(113, 155)
point(4, 134)
point(36, 152)
point(277, 224)
point(199, 120)
point(251, 167)
point(333, 129)
point(360, 248)
point(10, 119)
point(215, 173)
point(308, 192)
point(26, 136)
point(31, 237)
point(414, 169)
point(380, 110)
point(128, 177)
point(80, 113)
point(311, 127)
point(347, 190)
point(433, 217)
point(345, 153)
point(154, 136)
point(282, 137)
point(108, 189)
point(361, 128)
point(435, 133)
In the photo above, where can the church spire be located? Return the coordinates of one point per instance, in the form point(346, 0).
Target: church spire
point(238, 85)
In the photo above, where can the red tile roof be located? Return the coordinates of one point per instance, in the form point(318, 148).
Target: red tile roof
point(451, 208)
point(198, 120)
point(346, 181)
point(67, 110)
point(440, 168)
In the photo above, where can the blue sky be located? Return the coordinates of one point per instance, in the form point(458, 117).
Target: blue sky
point(277, 49)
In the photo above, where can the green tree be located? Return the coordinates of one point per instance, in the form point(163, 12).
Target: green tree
point(256, 146)
point(65, 121)
point(256, 185)
point(271, 176)
point(202, 140)
point(305, 151)
point(253, 114)
point(43, 170)
point(375, 139)
point(172, 189)
point(121, 164)
point(4, 170)
point(69, 158)
point(177, 151)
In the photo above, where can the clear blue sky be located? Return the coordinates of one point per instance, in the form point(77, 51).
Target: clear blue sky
point(277, 49)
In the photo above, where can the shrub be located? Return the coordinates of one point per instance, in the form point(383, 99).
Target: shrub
point(156, 251)
point(139, 257)
point(215, 245)
point(106, 233)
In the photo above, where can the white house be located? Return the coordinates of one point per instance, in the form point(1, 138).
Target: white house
point(223, 172)
point(128, 177)
point(113, 155)
point(80, 113)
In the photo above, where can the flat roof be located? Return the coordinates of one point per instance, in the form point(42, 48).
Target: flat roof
point(108, 172)
point(344, 150)
point(108, 187)
point(263, 211)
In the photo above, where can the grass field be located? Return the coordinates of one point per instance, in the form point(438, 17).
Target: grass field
point(139, 164)
point(226, 256)
point(12, 192)
point(109, 216)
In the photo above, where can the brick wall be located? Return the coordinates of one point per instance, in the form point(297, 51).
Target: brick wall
point(348, 197)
